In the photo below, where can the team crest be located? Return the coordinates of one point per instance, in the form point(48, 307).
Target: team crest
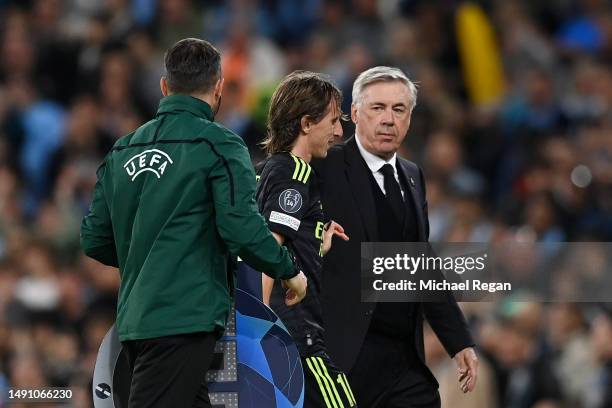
point(290, 201)
point(152, 160)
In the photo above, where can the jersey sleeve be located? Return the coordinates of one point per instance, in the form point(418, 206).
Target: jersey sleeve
point(97, 238)
point(238, 222)
point(284, 201)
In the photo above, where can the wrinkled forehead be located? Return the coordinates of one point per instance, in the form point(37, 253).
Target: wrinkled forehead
point(389, 92)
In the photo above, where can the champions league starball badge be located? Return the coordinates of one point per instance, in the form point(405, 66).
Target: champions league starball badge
point(256, 362)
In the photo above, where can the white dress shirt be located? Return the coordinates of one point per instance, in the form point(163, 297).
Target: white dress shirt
point(376, 163)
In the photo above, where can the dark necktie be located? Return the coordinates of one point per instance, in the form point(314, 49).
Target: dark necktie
point(393, 192)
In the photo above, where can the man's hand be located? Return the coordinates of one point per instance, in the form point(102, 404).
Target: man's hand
point(332, 228)
point(467, 364)
point(296, 289)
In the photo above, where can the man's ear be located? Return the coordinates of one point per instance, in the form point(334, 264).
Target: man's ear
point(163, 85)
point(354, 113)
point(305, 124)
point(219, 87)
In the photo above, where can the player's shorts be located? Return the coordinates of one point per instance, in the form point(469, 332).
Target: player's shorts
point(325, 385)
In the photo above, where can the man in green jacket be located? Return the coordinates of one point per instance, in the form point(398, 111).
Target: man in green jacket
point(174, 202)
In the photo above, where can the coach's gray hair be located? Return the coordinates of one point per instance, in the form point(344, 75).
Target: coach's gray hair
point(383, 74)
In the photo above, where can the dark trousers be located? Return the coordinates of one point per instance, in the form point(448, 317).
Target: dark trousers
point(389, 374)
point(170, 371)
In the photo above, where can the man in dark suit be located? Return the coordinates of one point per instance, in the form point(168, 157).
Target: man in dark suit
point(379, 197)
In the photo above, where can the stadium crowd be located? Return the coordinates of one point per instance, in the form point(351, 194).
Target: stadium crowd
point(534, 165)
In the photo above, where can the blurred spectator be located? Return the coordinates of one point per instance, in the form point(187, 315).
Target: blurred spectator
point(288, 22)
point(602, 350)
point(444, 160)
point(525, 377)
point(586, 30)
point(148, 59)
point(572, 362)
point(118, 104)
point(177, 19)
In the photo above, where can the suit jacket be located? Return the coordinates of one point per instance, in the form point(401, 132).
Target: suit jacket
point(348, 199)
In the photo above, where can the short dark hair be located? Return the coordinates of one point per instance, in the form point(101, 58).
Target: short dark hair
point(301, 93)
point(192, 65)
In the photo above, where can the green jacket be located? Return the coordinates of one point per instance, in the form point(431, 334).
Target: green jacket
point(173, 203)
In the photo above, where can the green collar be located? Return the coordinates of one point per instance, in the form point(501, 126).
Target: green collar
point(182, 102)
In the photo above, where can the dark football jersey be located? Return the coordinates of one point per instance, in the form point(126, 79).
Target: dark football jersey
point(288, 198)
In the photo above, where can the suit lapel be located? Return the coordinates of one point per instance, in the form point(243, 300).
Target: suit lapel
point(411, 186)
point(359, 181)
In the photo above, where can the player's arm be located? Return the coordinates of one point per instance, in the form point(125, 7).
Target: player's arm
point(239, 223)
point(267, 283)
point(283, 202)
point(97, 238)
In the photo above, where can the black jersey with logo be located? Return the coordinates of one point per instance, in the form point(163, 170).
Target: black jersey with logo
point(288, 198)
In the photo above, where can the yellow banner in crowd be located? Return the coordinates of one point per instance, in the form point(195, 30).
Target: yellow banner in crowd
point(480, 56)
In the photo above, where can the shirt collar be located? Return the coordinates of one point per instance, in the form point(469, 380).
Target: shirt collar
point(182, 102)
point(374, 162)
